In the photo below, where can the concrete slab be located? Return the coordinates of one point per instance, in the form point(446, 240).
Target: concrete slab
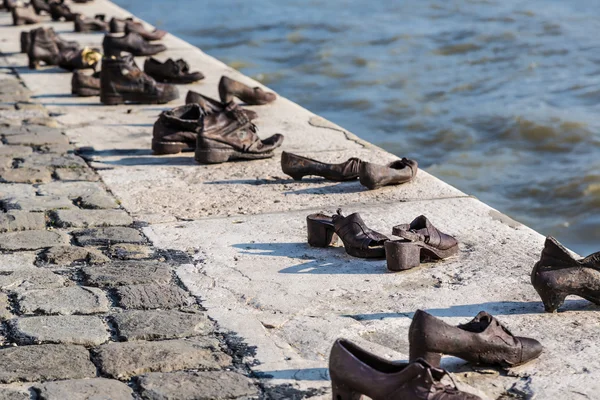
point(259, 270)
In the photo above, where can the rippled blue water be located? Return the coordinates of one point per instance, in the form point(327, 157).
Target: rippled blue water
point(500, 98)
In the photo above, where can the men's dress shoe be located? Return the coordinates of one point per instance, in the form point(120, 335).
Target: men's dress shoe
point(171, 71)
point(359, 240)
point(43, 48)
point(212, 106)
point(60, 11)
point(131, 43)
point(96, 24)
point(298, 167)
point(117, 25)
point(230, 135)
point(356, 372)
point(228, 89)
point(40, 5)
point(558, 274)
point(79, 59)
point(176, 130)
point(122, 81)
point(85, 85)
point(24, 16)
point(481, 341)
point(374, 176)
point(138, 27)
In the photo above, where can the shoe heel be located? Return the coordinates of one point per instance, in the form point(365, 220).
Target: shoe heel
point(432, 358)
point(343, 392)
point(34, 64)
point(320, 234)
point(401, 255)
point(112, 100)
point(213, 156)
point(552, 300)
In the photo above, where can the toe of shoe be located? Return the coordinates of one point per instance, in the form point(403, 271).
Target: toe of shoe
point(531, 349)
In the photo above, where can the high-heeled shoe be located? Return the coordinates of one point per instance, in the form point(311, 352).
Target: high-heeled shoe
point(355, 372)
point(298, 167)
point(558, 274)
point(435, 245)
point(483, 340)
point(228, 89)
point(359, 240)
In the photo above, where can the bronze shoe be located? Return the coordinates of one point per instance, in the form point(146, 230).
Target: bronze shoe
point(138, 27)
point(122, 81)
point(40, 5)
point(131, 43)
point(24, 16)
point(355, 372)
point(435, 245)
point(79, 59)
point(171, 71)
point(298, 167)
point(117, 25)
point(558, 274)
point(59, 10)
point(25, 41)
point(212, 106)
point(374, 176)
point(85, 85)
point(176, 130)
point(228, 89)
point(96, 24)
point(230, 135)
point(481, 341)
point(43, 48)
point(359, 240)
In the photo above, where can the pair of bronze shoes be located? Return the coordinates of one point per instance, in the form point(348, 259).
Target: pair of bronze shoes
point(421, 241)
point(558, 274)
point(370, 175)
point(171, 71)
point(484, 340)
point(215, 134)
point(44, 45)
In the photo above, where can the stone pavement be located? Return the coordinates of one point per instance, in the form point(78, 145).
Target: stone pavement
point(154, 277)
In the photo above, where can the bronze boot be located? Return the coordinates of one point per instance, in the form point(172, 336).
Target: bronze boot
point(85, 85)
point(481, 341)
point(24, 16)
point(374, 176)
point(230, 135)
point(40, 6)
point(228, 89)
point(558, 274)
point(176, 130)
point(43, 48)
point(131, 43)
point(298, 167)
point(355, 372)
point(212, 106)
point(122, 81)
point(60, 11)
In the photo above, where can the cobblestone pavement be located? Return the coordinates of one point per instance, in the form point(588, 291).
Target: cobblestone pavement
point(89, 309)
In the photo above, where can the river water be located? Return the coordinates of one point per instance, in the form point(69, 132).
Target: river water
point(499, 98)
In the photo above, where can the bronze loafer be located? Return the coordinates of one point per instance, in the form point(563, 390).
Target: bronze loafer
point(355, 372)
point(484, 340)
